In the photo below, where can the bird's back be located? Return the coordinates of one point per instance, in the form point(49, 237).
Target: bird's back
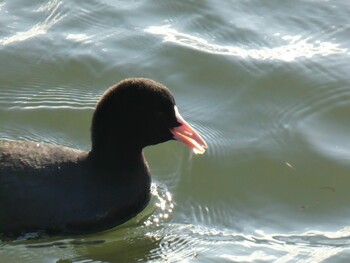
point(60, 190)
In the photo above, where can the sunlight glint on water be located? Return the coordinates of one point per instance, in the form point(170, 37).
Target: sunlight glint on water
point(267, 84)
point(294, 49)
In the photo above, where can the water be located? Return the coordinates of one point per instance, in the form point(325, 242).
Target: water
point(266, 83)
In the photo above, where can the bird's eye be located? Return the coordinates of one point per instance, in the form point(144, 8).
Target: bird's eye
point(161, 115)
point(163, 119)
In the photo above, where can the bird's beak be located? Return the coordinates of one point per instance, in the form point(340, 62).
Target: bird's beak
point(186, 134)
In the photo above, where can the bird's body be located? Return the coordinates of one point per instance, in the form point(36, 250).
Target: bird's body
point(56, 189)
point(62, 190)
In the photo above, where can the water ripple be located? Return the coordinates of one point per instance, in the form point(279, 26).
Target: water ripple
point(198, 242)
point(53, 15)
point(319, 117)
point(162, 205)
point(53, 98)
point(296, 47)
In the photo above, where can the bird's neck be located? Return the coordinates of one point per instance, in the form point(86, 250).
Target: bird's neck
point(117, 155)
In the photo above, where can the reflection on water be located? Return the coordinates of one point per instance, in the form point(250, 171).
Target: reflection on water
point(194, 243)
point(265, 83)
point(295, 48)
point(163, 205)
point(48, 98)
point(52, 16)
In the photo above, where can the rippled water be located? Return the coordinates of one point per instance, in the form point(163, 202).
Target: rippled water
point(267, 84)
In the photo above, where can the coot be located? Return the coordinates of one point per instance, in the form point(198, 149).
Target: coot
point(60, 190)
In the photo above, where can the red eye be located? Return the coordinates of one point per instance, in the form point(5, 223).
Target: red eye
point(161, 115)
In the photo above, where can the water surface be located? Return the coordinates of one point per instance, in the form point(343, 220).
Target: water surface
point(267, 84)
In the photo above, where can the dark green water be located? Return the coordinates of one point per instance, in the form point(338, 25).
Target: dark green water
point(267, 84)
